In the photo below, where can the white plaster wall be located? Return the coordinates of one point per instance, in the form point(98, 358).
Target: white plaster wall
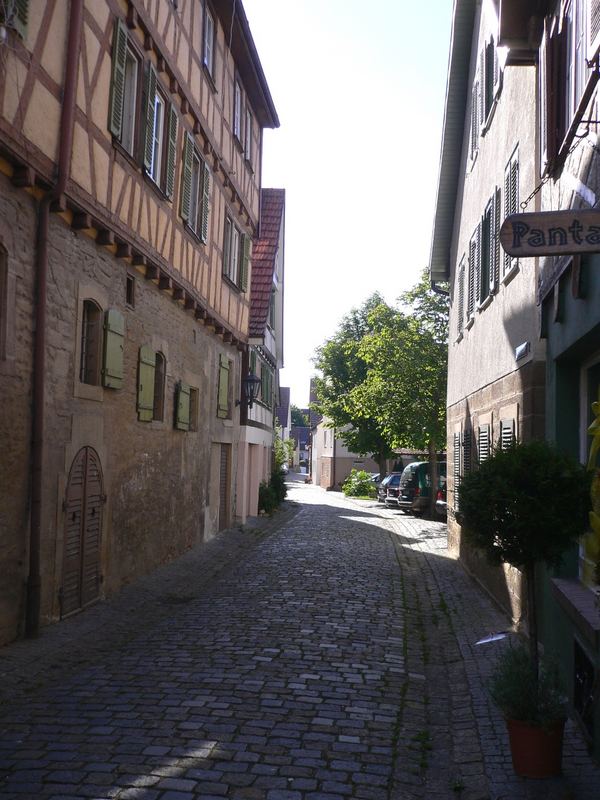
point(486, 351)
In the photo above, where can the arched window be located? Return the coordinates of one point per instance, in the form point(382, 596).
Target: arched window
point(160, 371)
point(91, 341)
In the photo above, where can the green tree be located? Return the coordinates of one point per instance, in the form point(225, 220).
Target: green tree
point(343, 370)
point(298, 417)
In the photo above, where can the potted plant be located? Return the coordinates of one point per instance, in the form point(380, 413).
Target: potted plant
point(525, 506)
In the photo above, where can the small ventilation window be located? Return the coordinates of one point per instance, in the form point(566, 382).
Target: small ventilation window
point(130, 291)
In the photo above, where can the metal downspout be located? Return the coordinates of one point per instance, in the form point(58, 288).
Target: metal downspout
point(34, 582)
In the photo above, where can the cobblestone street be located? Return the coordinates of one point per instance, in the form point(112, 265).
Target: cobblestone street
point(327, 654)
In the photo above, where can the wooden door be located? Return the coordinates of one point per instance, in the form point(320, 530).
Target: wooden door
point(83, 530)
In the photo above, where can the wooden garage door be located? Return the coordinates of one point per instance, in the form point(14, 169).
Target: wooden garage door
point(83, 529)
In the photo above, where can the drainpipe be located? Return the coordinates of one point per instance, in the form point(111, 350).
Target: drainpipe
point(34, 582)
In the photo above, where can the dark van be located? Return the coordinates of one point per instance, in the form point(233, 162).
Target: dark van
point(415, 486)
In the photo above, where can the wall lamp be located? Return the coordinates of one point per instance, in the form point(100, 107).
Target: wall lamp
point(250, 388)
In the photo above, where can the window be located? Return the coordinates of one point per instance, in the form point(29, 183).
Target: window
point(161, 135)
point(474, 271)
point(195, 190)
point(248, 136)
point(208, 49)
point(158, 400)
point(4, 307)
point(130, 291)
point(91, 339)
point(491, 81)
point(511, 200)
point(236, 254)
point(124, 107)
point(237, 111)
point(490, 248)
point(266, 385)
point(574, 32)
point(272, 309)
point(194, 406)
point(224, 388)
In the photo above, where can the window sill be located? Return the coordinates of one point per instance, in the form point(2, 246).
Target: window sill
point(485, 303)
point(125, 156)
point(510, 274)
point(459, 338)
point(89, 391)
point(249, 166)
point(231, 283)
point(196, 236)
point(156, 188)
point(470, 322)
point(579, 604)
point(473, 161)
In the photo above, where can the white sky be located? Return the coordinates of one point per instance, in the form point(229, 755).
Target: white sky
point(359, 90)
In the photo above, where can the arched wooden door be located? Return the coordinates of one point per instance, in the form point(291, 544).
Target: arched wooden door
point(83, 530)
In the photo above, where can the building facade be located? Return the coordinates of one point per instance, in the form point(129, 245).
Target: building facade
point(131, 136)
point(265, 355)
point(488, 168)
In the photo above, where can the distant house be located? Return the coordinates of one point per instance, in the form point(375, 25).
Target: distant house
point(284, 412)
point(301, 436)
point(331, 460)
point(264, 358)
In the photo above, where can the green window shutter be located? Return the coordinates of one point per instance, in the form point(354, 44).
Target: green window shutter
point(182, 407)
point(205, 202)
point(223, 391)
point(145, 388)
point(150, 97)
point(170, 179)
point(117, 86)
point(245, 262)
point(186, 178)
point(20, 17)
point(114, 345)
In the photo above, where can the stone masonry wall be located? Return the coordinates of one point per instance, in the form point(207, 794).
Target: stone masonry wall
point(157, 480)
point(519, 395)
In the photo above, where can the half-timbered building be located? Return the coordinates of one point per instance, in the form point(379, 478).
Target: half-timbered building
point(130, 159)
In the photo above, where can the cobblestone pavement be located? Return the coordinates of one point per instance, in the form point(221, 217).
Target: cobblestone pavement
point(327, 654)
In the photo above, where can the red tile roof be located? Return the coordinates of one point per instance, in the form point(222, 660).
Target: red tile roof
point(264, 250)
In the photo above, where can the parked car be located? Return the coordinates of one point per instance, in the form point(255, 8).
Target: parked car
point(382, 487)
point(391, 494)
point(415, 486)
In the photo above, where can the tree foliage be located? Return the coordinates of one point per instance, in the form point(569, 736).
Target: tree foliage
point(298, 417)
point(383, 382)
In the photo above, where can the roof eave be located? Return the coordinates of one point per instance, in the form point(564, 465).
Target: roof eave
point(463, 19)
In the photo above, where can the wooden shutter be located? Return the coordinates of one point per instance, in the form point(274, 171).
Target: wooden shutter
point(171, 152)
point(471, 286)
point(245, 260)
point(145, 393)
point(593, 29)
point(182, 406)
point(223, 388)
point(92, 528)
point(461, 298)
point(114, 345)
point(507, 433)
point(482, 87)
point(117, 86)
point(495, 243)
point(483, 443)
point(456, 468)
point(477, 275)
point(205, 201)
point(497, 72)
point(149, 99)
point(467, 450)
point(186, 178)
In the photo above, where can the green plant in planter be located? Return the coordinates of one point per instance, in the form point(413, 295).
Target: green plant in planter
point(526, 505)
point(512, 688)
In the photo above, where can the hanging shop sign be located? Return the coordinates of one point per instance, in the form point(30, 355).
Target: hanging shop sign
point(551, 233)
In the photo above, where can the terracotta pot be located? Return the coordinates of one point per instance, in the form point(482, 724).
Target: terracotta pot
point(536, 751)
